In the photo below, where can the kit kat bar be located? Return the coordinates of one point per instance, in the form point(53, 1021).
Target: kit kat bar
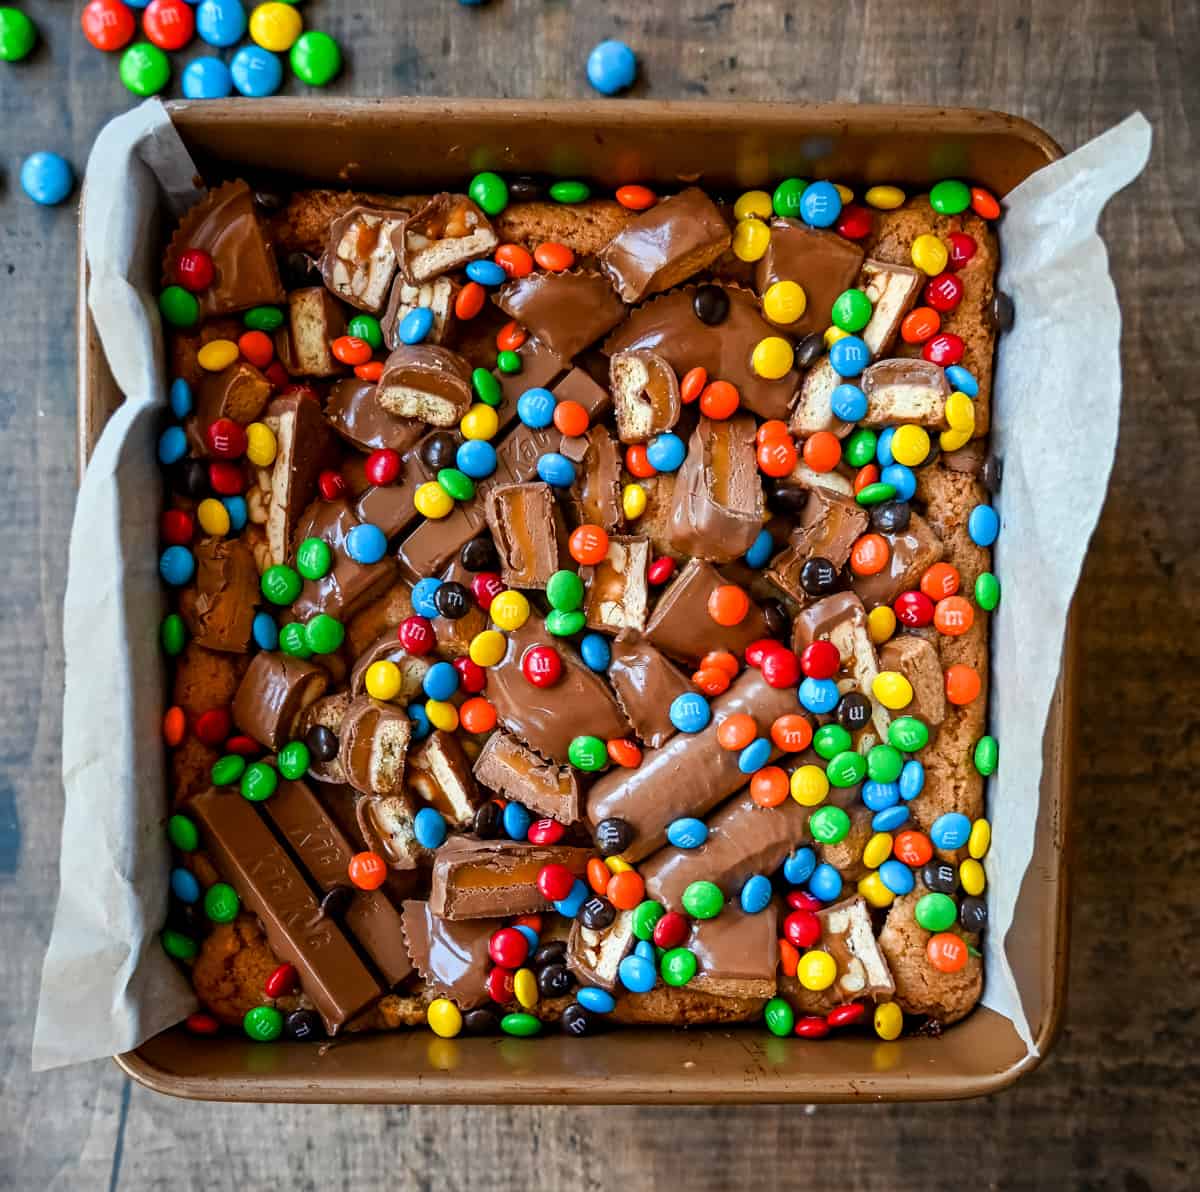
point(250, 858)
point(325, 852)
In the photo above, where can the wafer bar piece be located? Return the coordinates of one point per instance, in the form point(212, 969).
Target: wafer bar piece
point(373, 744)
point(269, 884)
point(440, 772)
point(893, 291)
point(273, 693)
point(737, 954)
point(359, 262)
point(451, 957)
point(315, 320)
point(617, 588)
point(595, 956)
point(848, 936)
point(901, 390)
point(645, 395)
point(529, 532)
point(514, 771)
point(386, 823)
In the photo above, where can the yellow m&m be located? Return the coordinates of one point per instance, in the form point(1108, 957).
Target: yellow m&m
point(877, 850)
point(972, 877)
point(261, 445)
point(480, 422)
point(873, 889)
point(442, 714)
point(213, 517)
point(444, 1018)
point(833, 334)
point(275, 26)
point(433, 501)
point(960, 411)
point(929, 254)
point(784, 302)
point(487, 647)
point(881, 624)
point(910, 445)
point(889, 1021)
point(754, 203)
point(383, 680)
point(808, 785)
point(772, 357)
point(633, 501)
point(525, 988)
point(892, 690)
point(980, 839)
point(885, 198)
point(750, 239)
point(509, 610)
point(816, 970)
point(217, 354)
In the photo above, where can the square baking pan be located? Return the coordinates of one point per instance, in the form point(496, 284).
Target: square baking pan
point(425, 145)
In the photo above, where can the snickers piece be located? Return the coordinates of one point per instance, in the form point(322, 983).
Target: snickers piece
point(304, 449)
point(328, 712)
point(912, 551)
point(823, 263)
point(452, 957)
point(239, 392)
point(718, 508)
point(219, 609)
point(645, 393)
point(665, 245)
point(440, 772)
point(917, 660)
point(595, 497)
point(436, 296)
point(386, 824)
point(595, 956)
point(493, 879)
point(348, 586)
point(743, 839)
point(443, 234)
point(515, 772)
point(353, 410)
point(828, 527)
point(737, 955)
point(315, 320)
point(670, 327)
point(359, 262)
point(273, 693)
point(324, 851)
point(269, 884)
point(682, 627)
point(903, 390)
point(849, 937)
point(646, 684)
point(372, 746)
point(893, 291)
point(388, 649)
point(225, 225)
point(690, 774)
point(527, 527)
point(426, 382)
point(566, 311)
point(548, 719)
point(617, 588)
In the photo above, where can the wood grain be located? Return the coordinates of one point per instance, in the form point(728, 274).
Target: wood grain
point(1117, 1105)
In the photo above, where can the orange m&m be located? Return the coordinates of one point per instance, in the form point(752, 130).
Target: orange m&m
point(953, 616)
point(946, 952)
point(728, 604)
point(736, 731)
point(869, 555)
point(962, 684)
point(588, 545)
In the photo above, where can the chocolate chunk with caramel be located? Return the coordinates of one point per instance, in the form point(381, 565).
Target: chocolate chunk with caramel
point(443, 234)
point(219, 609)
point(822, 263)
point(529, 533)
point(665, 245)
point(353, 410)
point(645, 395)
point(595, 497)
point(373, 745)
point(718, 507)
point(566, 311)
point(440, 772)
point(436, 296)
point(273, 694)
point(359, 262)
point(617, 587)
point(426, 382)
point(829, 526)
point(910, 553)
point(314, 321)
point(594, 956)
point(646, 683)
point(514, 771)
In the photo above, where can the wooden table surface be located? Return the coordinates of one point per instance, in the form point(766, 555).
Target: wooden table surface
point(1111, 1107)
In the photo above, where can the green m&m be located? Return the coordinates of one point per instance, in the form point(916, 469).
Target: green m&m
point(221, 903)
point(263, 1024)
point(315, 58)
point(456, 484)
point(564, 624)
point(779, 1017)
point(182, 833)
point(860, 447)
point(703, 900)
point(228, 770)
point(522, 1025)
point(178, 945)
point(569, 191)
point(830, 740)
point(144, 68)
point(950, 197)
point(645, 916)
point(172, 634)
point(847, 768)
point(366, 327)
point(280, 584)
point(314, 558)
point(935, 912)
point(292, 641)
point(178, 307)
point(678, 966)
point(828, 825)
point(508, 362)
point(293, 760)
point(786, 200)
point(489, 191)
point(263, 318)
point(851, 310)
point(564, 590)
point(259, 782)
point(907, 733)
point(17, 35)
point(987, 755)
point(987, 591)
point(884, 763)
point(324, 634)
point(486, 387)
point(875, 494)
point(587, 753)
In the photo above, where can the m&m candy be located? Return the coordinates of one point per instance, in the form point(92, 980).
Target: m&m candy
point(611, 67)
point(47, 178)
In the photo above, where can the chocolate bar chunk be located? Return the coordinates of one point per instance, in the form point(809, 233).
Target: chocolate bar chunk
point(359, 262)
point(426, 382)
point(372, 746)
point(813, 410)
point(903, 390)
point(491, 879)
point(219, 609)
point(443, 234)
point(595, 497)
point(440, 772)
point(239, 392)
point(690, 774)
point(682, 627)
point(617, 589)
point(665, 245)
point(893, 291)
point(670, 327)
point(595, 956)
point(274, 691)
point(548, 719)
point(514, 771)
point(822, 263)
point(645, 393)
point(225, 225)
point(828, 527)
point(743, 839)
point(718, 508)
point(737, 954)
point(304, 449)
point(270, 885)
point(390, 506)
point(646, 684)
point(353, 410)
point(327, 712)
point(348, 586)
point(566, 311)
point(452, 957)
point(912, 552)
point(848, 936)
point(315, 320)
point(386, 823)
point(917, 660)
point(325, 852)
point(388, 649)
point(528, 529)
point(436, 296)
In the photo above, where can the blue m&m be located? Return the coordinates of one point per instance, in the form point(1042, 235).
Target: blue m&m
point(799, 866)
point(690, 712)
point(820, 205)
point(760, 550)
point(256, 72)
point(172, 445)
point(180, 398)
point(596, 652)
point(599, 1001)
point(849, 356)
point(423, 593)
point(221, 22)
point(177, 565)
point(878, 796)
point(666, 452)
point(819, 695)
point(555, 470)
point(912, 779)
point(476, 458)
point(415, 325)
point(848, 402)
point(825, 883)
point(265, 631)
point(422, 726)
point(637, 973)
point(441, 681)
point(754, 756)
point(896, 876)
point(47, 178)
point(950, 831)
point(890, 818)
point(535, 408)
point(687, 832)
point(611, 67)
point(516, 821)
point(962, 380)
point(366, 544)
point(983, 524)
point(569, 907)
point(756, 894)
point(486, 273)
point(901, 478)
point(429, 827)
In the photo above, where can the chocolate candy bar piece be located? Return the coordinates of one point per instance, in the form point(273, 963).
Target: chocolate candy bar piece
point(528, 529)
point(390, 506)
point(219, 609)
point(273, 693)
point(548, 719)
point(682, 627)
point(849, 937)
point(315, 320)
point(372, 746)
point(440, 772)
point(566, 311)
point(823, 263)
point(666, 245)
point(248, 856)
point(452, 957)
point(645, 393)
point(670, 327)
point(492, 879)
point(515, 772)
point(917, 660)
point(903, 390)
point(386, 823)
point(595, 956)
point(327, 712)
point(325, 852)
point(359, 262)
point(353, 410)
point(595, 497)
point(893, 291)
point(690, 774)
point(743, 839)
point(426, 382)
point(646, 684)
point(912, 552)
point(813, 411)
point(828, 527)
point(718, 508)
point(617, 588)
point(388, 649)
point(737, 954)
point(436, 296)
point(443, 234)
point(239, 392)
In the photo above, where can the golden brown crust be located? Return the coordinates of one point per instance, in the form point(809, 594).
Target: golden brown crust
point(585, 228)
point(302, 224)
point(206, 679)
point(231, 969)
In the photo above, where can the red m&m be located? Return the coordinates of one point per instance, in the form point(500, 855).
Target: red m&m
point(108, 24)
point(541, 666)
